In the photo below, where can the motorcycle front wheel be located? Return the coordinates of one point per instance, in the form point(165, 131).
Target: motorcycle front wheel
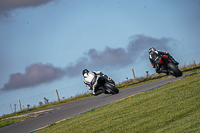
point(176, 71)
point(111, 88)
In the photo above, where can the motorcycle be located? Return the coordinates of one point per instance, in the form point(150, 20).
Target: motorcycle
point(167, 64)
point(107, 85)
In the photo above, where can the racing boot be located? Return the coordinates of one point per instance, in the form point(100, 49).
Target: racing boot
point(97, 91)
point(162, 71)
point(157, 67)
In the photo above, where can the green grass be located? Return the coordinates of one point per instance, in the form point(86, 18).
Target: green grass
point(127, 84)
point(5, 122)
point(174, 107)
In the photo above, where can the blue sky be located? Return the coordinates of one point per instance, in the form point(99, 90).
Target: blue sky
point(45, 44)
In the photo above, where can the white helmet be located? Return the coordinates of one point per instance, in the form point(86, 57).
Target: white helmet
point(152, 49)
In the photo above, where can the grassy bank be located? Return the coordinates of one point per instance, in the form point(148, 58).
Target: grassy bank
point(174, 107)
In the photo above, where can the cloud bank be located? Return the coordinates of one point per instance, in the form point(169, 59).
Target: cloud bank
point(6, 6)
point(109, 58)
point(137, 49)
point(34, 75)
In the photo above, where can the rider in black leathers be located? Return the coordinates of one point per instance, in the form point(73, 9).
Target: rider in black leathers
point(154, 58)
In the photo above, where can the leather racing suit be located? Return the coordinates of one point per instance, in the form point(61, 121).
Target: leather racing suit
point(90, 80)
point(154, 58)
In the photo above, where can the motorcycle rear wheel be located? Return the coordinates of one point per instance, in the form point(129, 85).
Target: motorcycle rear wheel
point(111, 87)
point(176, 71)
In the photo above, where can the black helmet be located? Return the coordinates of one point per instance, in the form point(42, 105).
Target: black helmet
point(85, 71)
point(152, 49)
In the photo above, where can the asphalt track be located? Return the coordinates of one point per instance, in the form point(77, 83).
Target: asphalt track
point(68, 110)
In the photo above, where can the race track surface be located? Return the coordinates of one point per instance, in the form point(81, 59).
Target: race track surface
point(71, 109)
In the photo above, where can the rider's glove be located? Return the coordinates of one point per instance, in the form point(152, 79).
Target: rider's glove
point(101, 74)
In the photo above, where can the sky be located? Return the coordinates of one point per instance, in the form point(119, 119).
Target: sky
point(45, 44)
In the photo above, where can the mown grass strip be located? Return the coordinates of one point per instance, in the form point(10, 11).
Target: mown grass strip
point(174, 107)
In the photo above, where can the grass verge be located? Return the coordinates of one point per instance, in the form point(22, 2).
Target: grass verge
point(174, 107)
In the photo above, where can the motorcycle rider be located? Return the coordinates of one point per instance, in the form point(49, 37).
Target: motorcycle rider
point(90, 80)
point(154, 58)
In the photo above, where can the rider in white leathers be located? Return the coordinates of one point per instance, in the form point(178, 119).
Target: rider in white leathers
point(90, 80)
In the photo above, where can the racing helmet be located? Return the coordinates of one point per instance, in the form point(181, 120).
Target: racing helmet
point(85, 71)
point(152, 49)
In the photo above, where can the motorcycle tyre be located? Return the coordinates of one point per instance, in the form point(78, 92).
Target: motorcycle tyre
point(177, 72)
point(111, 87)
point(112, 82)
